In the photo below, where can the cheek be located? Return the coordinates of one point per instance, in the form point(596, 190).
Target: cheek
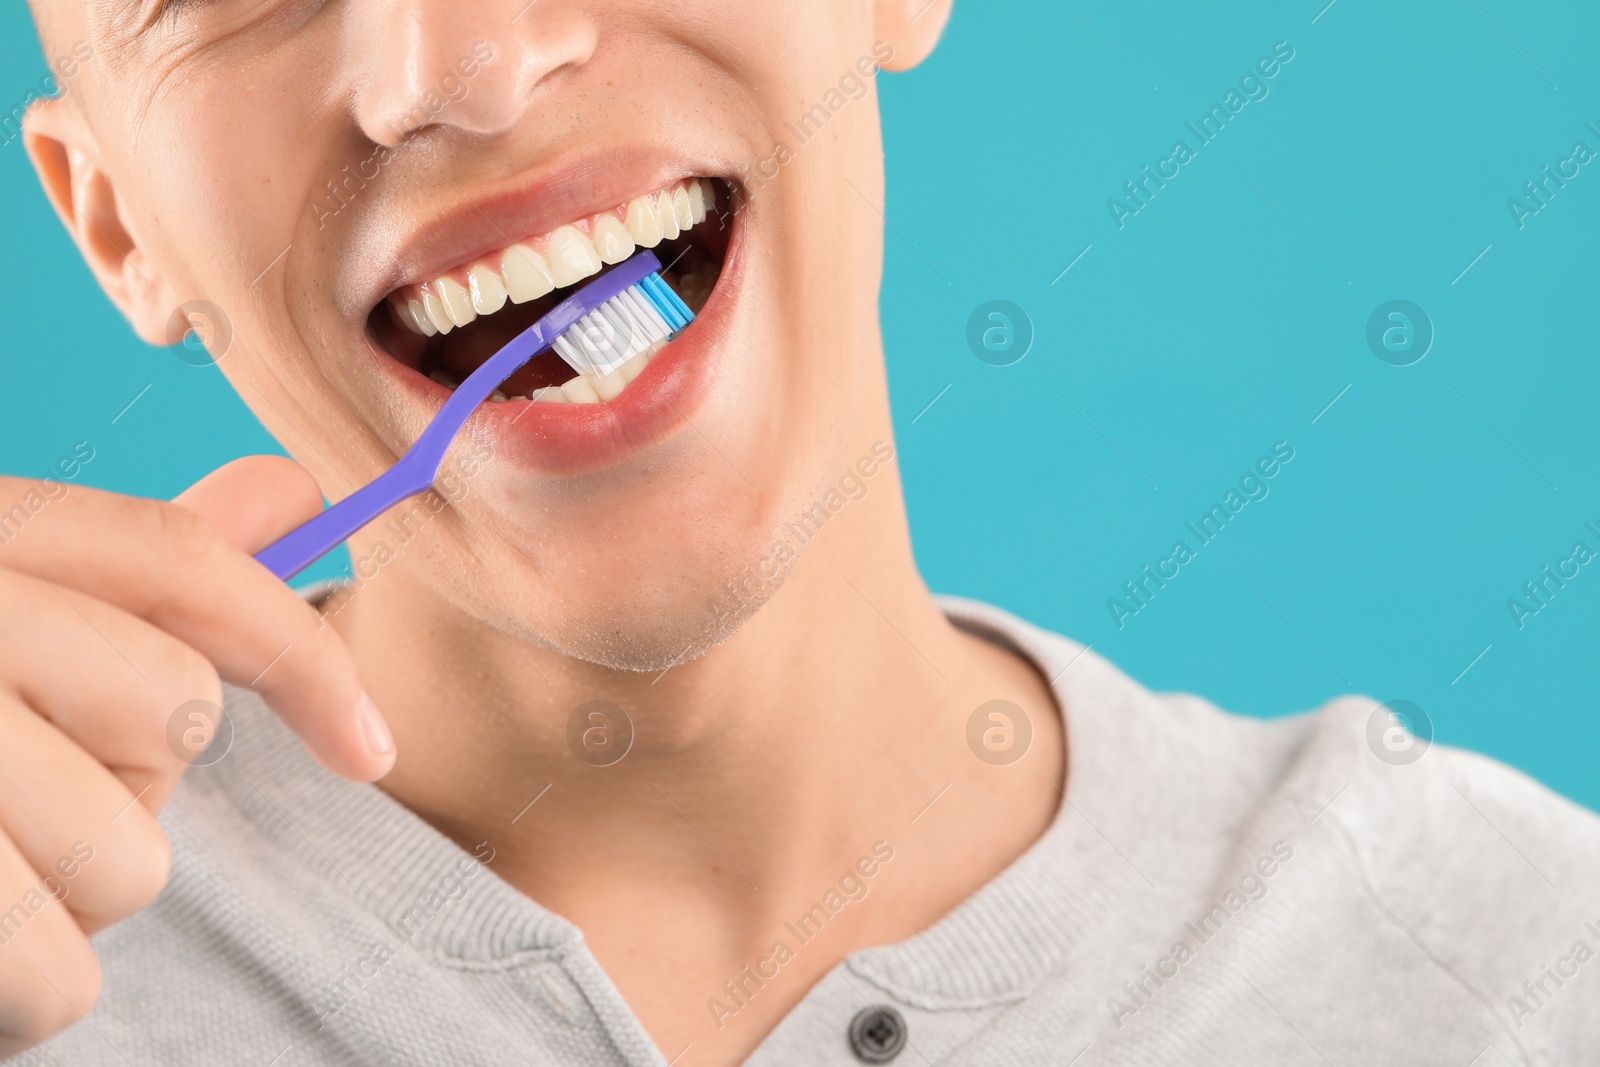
point(218, 182)
point(230, 165)
point(818, 313)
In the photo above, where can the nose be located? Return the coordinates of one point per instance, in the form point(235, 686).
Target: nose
point(475, 66)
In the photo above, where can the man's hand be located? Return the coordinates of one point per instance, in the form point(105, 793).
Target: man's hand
point(114, 612)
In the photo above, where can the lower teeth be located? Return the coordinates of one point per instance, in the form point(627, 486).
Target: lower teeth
point(581, 389)
point(596, 389)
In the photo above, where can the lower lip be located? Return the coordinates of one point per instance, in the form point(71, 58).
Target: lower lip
point(577, 438)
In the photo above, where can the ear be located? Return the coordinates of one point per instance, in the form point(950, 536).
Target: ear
point(910, 27)
point(66, 156)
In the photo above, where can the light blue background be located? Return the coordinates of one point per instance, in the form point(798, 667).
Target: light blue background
point(1222, 319)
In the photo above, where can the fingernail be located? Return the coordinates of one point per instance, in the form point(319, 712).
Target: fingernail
point(374, 729)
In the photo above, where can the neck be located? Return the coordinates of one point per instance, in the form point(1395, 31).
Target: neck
point(753, 777)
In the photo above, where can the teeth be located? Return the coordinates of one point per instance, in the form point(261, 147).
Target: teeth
point(418, 319)
point(457, 301)
point(664, 210)
point(566, 256)
point(488, 290)
point(434, 307)
point(630, 370)
point(610, 386)
point(684, 210)
point(697, 201)
point(581, 390)
point(572, 256)
point(611, 239)
point(644, 225)
point(527, 275)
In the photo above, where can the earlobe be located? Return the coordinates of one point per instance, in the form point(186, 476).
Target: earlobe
point(65, 156)
point(910, 27)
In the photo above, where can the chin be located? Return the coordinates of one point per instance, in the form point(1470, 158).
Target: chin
point(620, 635)
point(632, 599)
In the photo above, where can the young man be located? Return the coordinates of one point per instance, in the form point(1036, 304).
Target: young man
point(678, 761)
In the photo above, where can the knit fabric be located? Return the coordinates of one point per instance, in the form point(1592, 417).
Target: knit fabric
point(1214, 890)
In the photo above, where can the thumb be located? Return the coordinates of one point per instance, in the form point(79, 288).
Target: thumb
point(255, 500)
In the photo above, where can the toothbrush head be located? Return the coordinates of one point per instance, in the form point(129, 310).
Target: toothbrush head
point(624, 326)
point(595, 330)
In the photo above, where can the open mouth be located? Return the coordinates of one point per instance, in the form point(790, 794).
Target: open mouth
point(448, 326)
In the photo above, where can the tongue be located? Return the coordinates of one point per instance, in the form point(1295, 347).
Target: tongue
point(547, 368)
point(544, 369)
point(466, 349)
point(469, 347)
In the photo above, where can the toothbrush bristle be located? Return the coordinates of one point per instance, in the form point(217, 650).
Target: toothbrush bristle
point(624, 326)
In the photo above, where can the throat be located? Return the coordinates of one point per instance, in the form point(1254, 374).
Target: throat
point(797, 787)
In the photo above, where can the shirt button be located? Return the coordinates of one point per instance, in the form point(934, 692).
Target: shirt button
point(877, 1034)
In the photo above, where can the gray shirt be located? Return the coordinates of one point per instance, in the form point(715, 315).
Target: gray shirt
point(1214, 890)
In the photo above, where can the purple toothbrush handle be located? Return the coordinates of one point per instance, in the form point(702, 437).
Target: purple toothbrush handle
point(309, 542)
point(415, 471)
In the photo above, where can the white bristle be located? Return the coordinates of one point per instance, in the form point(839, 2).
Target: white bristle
point(648, 316)
point(612, 334)
point(635, 323)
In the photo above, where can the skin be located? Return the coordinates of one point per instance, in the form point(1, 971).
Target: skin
point(794, 726)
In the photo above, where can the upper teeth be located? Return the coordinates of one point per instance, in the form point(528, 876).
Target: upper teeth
point(565, 256)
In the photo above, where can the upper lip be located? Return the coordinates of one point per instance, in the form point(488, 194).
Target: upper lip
point(575, 186)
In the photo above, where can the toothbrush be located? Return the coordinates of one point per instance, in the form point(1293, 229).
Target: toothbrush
point(595, 330)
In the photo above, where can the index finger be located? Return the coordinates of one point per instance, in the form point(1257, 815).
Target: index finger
point(165, 564)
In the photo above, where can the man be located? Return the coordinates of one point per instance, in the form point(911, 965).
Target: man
point(678, 759)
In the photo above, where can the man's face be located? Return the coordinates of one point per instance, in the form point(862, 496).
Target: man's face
point(345, 179)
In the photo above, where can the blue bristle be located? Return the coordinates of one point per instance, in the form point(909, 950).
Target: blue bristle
point(677, 302)
point(650, 287)
point(666, 302)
